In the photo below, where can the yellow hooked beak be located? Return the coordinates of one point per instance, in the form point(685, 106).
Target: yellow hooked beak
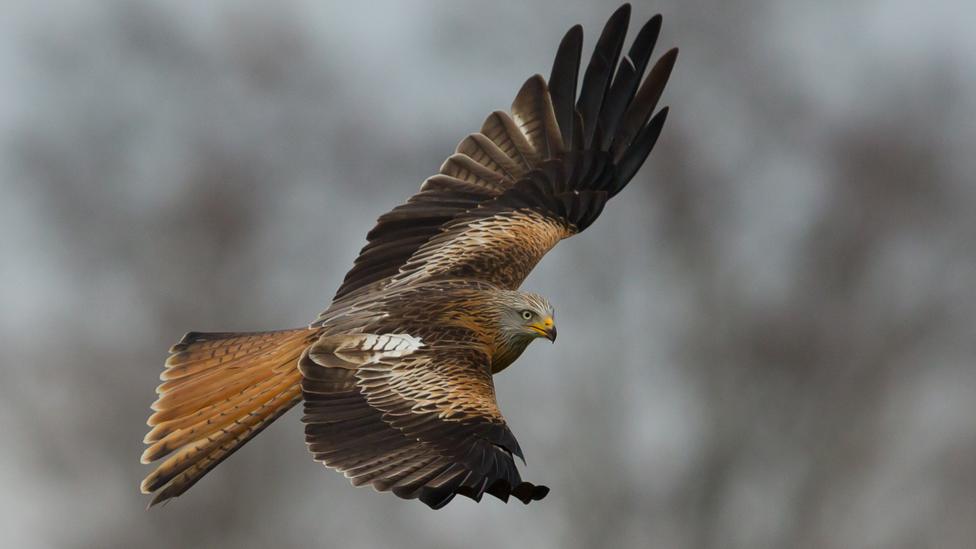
point(546, 328)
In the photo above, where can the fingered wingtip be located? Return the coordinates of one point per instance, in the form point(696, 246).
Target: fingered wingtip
point(527, 492)
point(157, 500)
point(623, 12)
point(518, 453)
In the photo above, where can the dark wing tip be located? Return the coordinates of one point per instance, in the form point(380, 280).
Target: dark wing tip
point(600, 70)
point(570, 47)
point(527, 492)
point(500, 489)
point(640, 149)
point(436, 499)
point(540, 492)
point(640, 51)
point(666, 64)
point(623, 9)
point(616, 26)
point(574, 34)
point(563, 78)
point(671, 56)
point(640, 110)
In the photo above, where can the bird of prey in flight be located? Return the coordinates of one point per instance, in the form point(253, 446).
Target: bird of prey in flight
point(396, 375)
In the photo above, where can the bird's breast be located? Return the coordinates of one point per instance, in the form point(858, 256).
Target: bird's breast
point(507, 353)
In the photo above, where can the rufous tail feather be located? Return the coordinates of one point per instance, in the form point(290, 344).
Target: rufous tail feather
point(219, 390)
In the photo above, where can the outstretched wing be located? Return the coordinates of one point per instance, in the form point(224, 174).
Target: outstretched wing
point(512, 191)
point(387, 410)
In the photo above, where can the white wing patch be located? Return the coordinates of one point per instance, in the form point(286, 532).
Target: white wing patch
point(388, 345)
point(351, 351)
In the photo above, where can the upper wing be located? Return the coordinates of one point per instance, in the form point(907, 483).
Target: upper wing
point(512, 191)
point(388, 411)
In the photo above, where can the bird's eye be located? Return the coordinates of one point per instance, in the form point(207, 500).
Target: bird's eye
point(527, 315)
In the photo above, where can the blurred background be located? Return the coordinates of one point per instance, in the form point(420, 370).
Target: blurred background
point(768, 342)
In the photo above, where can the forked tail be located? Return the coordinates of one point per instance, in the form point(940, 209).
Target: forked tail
point(219, 390)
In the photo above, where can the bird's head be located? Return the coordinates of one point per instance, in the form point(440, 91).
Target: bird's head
point(527, 316)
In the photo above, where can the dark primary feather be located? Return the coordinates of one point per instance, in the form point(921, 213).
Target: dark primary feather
point(599, 72)
point(636, 154)
point(643, 46)
point(643, 104)
point(562, 80)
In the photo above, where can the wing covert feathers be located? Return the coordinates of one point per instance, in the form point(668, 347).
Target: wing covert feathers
point(557, 155)
point(421, 422)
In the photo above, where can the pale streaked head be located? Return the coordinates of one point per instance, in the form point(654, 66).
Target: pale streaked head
point(527, 316)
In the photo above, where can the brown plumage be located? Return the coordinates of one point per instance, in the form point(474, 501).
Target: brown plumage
point(397, 374)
